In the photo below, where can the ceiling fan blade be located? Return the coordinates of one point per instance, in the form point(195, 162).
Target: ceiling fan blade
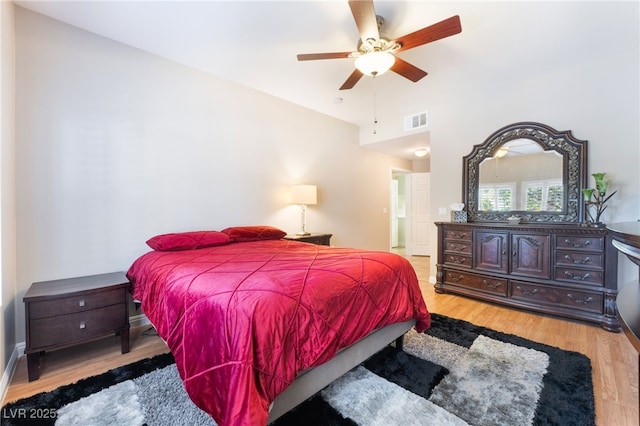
point(442, 29)
point(315, 56)
point(407, 70)
point(365, 16)
point(352, 80)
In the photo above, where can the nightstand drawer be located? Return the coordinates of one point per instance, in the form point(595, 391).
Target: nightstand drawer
point(76, 303)
point(80, 326)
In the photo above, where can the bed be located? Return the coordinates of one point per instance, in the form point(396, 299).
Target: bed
point(258, 323)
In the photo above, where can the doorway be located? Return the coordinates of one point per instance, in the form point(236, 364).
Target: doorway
point(410, 217)
point(400, 201)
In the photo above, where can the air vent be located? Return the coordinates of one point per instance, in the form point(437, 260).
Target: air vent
point(412, 122)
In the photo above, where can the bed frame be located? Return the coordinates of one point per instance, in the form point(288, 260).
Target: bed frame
point(313, 380)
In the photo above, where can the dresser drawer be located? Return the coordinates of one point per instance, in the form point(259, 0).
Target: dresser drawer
point(458, 247)
point(580, 243)
point(458, 260)
point(75, 303)
point(585, 276)
point(450, 234)
point(493, 285)
point(64, 329)
point(579, 258)
point(559, 296)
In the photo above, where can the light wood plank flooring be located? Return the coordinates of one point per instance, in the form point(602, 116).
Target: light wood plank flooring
point(614, 360)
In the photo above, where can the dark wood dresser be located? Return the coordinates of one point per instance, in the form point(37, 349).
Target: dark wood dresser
point(319, 239)
point(70, 311)
point(566, 270)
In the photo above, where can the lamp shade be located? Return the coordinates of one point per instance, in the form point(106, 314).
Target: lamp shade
point(304, 194)
point(375, 63)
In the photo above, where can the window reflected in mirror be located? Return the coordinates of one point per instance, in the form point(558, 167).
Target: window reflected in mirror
point(521, 176)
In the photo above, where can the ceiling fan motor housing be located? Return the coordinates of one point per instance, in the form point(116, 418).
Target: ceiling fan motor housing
point(382, 44)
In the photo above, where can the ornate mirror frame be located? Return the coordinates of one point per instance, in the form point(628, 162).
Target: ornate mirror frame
point(574, 155)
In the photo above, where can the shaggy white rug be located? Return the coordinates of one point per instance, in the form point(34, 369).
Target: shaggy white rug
point(491, 383)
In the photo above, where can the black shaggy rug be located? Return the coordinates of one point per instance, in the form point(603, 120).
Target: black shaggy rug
point(454, 374)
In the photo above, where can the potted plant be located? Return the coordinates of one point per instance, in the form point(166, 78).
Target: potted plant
point(596, 199)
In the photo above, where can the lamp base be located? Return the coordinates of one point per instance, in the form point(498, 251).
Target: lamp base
point(303, 233)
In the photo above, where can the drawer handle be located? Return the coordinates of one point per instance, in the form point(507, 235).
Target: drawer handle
point(578, 244)
point(81, 303)
point(493, 286)
point(577, 277)
point(458, 278)
point(459, 236)
point(458, 247)
point(581, 301)
point(527, 292)
point(82, 325)
point(577, 261)
point(458, 260)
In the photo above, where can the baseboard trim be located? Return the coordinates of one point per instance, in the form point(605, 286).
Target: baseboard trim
point(7, 375)
point(138, 320)
point(18, 351)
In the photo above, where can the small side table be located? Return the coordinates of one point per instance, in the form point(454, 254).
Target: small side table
point(70, 311)
point(319, 239)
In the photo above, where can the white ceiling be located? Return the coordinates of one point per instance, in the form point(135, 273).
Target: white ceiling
point(255, 43)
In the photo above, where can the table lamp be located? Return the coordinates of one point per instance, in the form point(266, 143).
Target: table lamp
point(304, 195)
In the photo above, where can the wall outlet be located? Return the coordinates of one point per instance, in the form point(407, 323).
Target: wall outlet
point(442, 211)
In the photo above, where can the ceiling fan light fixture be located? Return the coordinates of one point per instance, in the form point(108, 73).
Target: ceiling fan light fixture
point(375, 63)
point(501, 152)
point(421, 152)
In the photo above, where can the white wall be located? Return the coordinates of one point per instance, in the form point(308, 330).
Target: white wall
point(7, 180)
point(571, 65)
point(115, 145)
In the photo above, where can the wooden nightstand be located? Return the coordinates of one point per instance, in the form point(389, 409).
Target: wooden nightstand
point(319, 239)
point(70, 311)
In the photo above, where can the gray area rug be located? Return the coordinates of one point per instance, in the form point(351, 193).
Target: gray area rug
point(455, 374)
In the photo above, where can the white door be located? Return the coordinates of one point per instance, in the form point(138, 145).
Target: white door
point(394, 213)
point(420, 213)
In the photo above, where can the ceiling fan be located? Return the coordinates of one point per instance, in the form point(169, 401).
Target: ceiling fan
point(376, 52)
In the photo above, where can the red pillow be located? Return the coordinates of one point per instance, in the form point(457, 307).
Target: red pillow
point(188, 240)
point(254, 233)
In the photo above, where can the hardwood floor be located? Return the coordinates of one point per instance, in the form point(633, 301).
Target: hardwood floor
point(614, 360)
point(71, 364)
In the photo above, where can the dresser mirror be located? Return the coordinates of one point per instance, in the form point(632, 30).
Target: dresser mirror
point(528, 170)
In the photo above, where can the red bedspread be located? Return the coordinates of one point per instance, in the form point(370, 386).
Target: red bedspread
point(242, 320)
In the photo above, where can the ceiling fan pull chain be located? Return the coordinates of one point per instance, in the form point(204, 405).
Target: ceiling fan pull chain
point(375, 108)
